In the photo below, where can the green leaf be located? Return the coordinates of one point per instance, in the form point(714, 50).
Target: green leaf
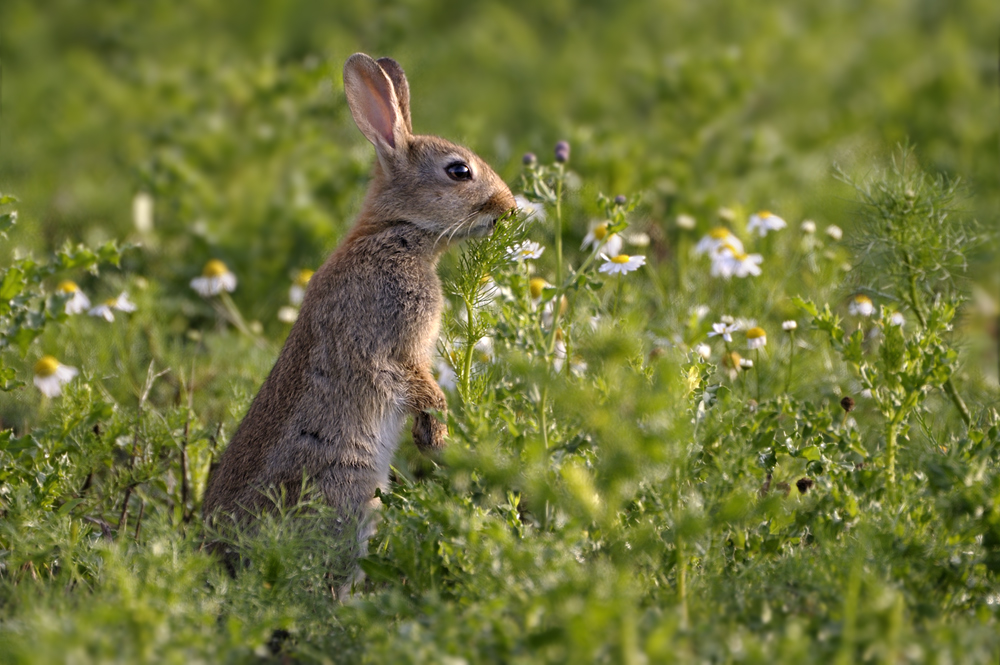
point(806, 306)
point(811, 453)
point(7, 198)
point(852, 350)
point(12, 285)
point(67, 507)
point(7, 221)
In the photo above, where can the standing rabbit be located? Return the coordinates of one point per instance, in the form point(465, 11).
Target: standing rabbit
point(357, 360)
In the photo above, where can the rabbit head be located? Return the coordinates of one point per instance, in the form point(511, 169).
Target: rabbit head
point(441, 188)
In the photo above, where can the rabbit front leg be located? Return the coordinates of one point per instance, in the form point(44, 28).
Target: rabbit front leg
point(425, 395)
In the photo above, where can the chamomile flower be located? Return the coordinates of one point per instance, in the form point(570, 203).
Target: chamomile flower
point(51, 375)
point(789, 326)
point(703, 350)
point(215, 279)
point(298, 289)
point(746, 363)
point(598, 237)
point(765, 221)
point(522, 251)
point(106, 309)
point(621, 264)
point(835, 232)
point(536, 286)
point(861, 305)
point(724, 329)
point(897, 319)
point(288, 314)
point(715, 240)
point(78, 301)
point(756, 338)
point(729, 261)
point(532, 210)
point(686, 222)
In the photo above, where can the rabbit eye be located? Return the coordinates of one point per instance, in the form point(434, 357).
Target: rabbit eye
point(458, 171)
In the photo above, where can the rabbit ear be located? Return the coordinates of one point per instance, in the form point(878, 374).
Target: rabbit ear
point(402, 88)
point(374, 104)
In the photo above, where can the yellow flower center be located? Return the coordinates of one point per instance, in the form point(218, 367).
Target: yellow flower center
point(863, 300)
point(621, 258)
point(764, 214)
point(214, 268)
point(736, 253)
point(46, 366)
point(601, 231)
point(304, 276)
point(536, 286)
point(756, 333)
point(719, 233)
point(111, 302)
point(67, 286)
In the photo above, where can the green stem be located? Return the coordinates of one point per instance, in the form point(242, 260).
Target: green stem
point(791, 362)
point(756, 370)
point(892, 432)
point(682, 583)
point(542, 420)
point(469, 348)
point(559, 192)
point(949, 384)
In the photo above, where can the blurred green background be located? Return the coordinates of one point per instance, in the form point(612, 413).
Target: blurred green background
point(229, 112)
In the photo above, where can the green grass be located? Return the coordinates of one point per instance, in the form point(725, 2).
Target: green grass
point(617, 487)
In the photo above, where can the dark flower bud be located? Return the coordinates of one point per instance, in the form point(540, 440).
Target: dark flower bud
point(562, 152)
point(529, 159)
point(621, 200)
point(804, 484)
point(847, 404)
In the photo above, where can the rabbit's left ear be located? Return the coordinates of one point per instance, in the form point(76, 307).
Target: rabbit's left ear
point(400, 86)
point(375, 106)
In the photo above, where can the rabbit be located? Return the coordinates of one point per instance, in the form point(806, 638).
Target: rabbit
point(357, 360)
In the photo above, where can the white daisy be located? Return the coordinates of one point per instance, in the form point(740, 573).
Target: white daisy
point(729, 261)
point(215, 279)
point(51, 375)
point(715, 240)
point(746, 363)
point(756, 338)
point(535, 211)
point(621, 264)
point(597, 236)
point(529, 249)
point(765, 221)
point(106, 309)
point(686, 222)
point(142, 212)
point(808, 226)
point(287, 314)
point(724, 329)
point(78, 301)
point(897, 319)
point(703, 350)
point(298, 289)
point(861, 305)
point(789, 326)
point(834, 232)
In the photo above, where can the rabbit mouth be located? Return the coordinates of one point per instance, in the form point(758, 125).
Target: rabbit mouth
point(484, 226)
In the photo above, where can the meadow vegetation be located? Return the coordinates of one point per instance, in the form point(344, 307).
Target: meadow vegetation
point(723, 390)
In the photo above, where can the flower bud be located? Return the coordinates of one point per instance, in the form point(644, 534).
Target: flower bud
point(529, 159)
point(621, 200)
point(562, 152)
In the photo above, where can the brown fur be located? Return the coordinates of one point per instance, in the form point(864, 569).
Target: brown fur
point(358, 358)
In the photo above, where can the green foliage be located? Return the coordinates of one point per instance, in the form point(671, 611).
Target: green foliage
point(628, 478)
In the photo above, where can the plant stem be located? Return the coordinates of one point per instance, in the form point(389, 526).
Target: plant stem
point(791, 361)
point(756, 370)
point(892, 432)
point(682, 583)
point(561, 173)
point(470, 321)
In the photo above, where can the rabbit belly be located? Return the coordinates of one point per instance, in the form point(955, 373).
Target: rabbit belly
point(387, 432)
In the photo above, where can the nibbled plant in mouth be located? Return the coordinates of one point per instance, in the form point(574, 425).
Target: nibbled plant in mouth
point(357, 361)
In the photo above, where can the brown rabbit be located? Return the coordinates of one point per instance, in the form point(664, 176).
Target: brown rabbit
point(358, 358)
